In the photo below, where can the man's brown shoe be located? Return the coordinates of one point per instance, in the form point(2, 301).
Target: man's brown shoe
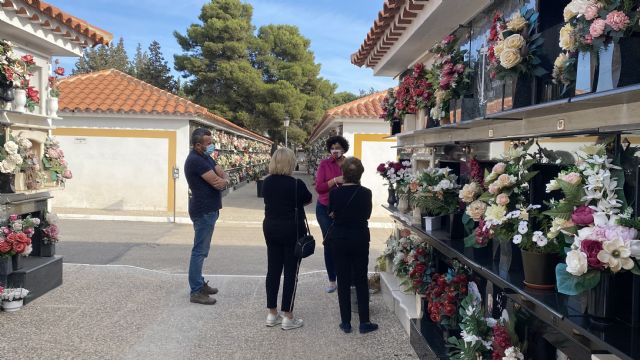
point(208, 289)
point(201, 298)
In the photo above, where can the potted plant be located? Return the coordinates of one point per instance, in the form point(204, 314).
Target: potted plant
point(55, 163)
point(54, 91)
point(17, 233)
point(438, 196)
point(13, 299)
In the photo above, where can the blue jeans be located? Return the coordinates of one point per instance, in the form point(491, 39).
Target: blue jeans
point(203, 227)
point(322, 215)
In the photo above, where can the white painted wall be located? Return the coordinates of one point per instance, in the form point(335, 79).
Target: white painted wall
point(129, 166)
point(373, 153)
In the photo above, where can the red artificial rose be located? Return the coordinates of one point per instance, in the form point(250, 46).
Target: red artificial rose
point(28, 59)
point(11, 238)
point(59, 71)
point(397, 166)
point(421, 251)
point(449, 309)
point(382, 168)
point(5, 247)
point(19, 247)
point(33, 94)
point(582, 215)
point(420, 269)
point(591, 248)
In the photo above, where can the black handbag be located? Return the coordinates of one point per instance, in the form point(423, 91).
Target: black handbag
point(305, 244)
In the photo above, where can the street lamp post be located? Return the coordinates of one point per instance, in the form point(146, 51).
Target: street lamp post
point(286, 130)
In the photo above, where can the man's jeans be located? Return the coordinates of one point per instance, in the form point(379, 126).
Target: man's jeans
point(203, 227)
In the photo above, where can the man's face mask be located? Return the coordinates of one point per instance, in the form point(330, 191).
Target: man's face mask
point(209, 150)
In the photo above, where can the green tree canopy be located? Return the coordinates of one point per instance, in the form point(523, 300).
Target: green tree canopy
point(103, 58)
point(153, 69)
point(253, 79)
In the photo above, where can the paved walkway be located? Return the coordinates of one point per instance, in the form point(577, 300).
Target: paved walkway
point(125, 296)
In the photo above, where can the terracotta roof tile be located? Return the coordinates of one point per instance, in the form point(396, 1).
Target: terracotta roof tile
point(112, 91)
point(365, 107)
point(386, 30)
point(46, 12)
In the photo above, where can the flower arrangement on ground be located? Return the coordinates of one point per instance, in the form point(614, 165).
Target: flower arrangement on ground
point(50, 229)
point(13, 294)
point(449, 75)
point(55, 163)
point(444, 294)
point(506, 200)
point(15, 235)
point(514, 45)
point(438, 194)
point(476, 337)
point(589, 218)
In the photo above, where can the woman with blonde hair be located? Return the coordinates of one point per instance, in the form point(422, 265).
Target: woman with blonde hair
point(283, 194)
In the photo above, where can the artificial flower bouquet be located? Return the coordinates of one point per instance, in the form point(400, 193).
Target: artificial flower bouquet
point(505, 202)
point(388, 106)
point(590, 219)
point(476, 335)
point(394, 171)
point(450, 76)
point(50, 229)
point(13, 294)
point(12, 154)
point(444, 294)
point(421, 268)
point(438, 193)
point(514, 45)
point(54, 90)
point(401, 251)
point(15, 235)
point(54, 162)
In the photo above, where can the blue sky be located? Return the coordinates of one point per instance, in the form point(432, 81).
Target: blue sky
point(336, 28)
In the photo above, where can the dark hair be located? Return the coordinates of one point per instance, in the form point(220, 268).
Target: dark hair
point(198, 134)
point(337, 140)
point(352, 170)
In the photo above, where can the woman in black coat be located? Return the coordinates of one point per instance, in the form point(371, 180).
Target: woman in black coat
point(350, 208)
point(282, 195)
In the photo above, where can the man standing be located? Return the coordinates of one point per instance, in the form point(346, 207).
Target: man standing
point(206, 179)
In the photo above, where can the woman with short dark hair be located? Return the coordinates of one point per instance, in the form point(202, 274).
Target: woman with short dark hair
point(350, 208)
point(329, 177)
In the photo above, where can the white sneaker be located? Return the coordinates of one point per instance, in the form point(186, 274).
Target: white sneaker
point(273, 320)
point(289, 324)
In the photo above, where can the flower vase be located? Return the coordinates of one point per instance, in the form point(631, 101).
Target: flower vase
point(421, 120)
point(432, 223)
point(600, 302)
point(586, 80)
point(409, 122)
point(16, 262)
point(52, 107)
point(392, 200)
point(539, 270)
point(396, 127)
point(629, 49)
point(403, 203)
point(20, 183)
point(7, 183)
point(6, 95)
point(47, 250)
point(522, 91)
point(416, 218)
point(6, 266)
point(19, 100)
point(14, 305)
point(608, 67)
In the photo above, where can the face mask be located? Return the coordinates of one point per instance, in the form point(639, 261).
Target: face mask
point(336, 153)
point(210, 149)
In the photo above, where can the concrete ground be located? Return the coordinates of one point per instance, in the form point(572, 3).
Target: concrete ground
point(125, 296)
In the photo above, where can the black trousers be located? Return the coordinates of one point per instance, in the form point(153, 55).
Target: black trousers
point(352, 263)
point(281, 257)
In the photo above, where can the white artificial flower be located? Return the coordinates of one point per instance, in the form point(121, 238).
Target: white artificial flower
point(540, 239)
point(11, 147)
point(576, 262)
point(17, 226)
point(616, 255)
point(15, 158)
point(523, 227)
point(7, 166)
point(552, 185)
point(517, 239)
point(513, 353)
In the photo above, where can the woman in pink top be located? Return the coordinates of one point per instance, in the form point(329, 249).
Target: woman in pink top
point(328, 177)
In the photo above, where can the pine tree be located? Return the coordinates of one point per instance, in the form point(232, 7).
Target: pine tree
point(139, 60)
point(154, 69)
point(102, 58)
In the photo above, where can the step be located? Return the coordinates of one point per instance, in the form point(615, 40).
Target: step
point(401, 303)
point(38, 275)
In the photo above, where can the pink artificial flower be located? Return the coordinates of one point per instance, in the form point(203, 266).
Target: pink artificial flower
point(447, 69)
point(499, 168)
point(445, 83)
point(591, 12)
point(52, 231)
point(618, 20)
point(620, 232)
point(13, 217)
point(67, 174)
point(63, 162)
point(502, 199)
point(448, 39)
point(582, 215)
point(5, 230)
point(53, 153)
point(587, 39)
point(597, 28)
point(459, 68)
point(28, 231)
